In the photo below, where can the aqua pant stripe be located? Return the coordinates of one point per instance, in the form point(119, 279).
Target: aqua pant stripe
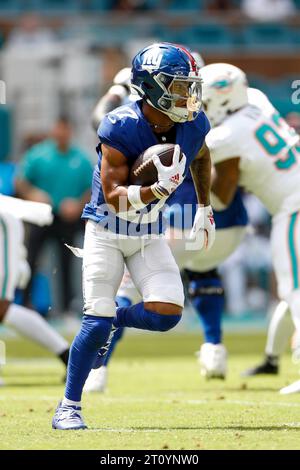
point(293, 252)
point(5, 256)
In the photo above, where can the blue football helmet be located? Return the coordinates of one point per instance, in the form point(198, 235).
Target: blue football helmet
point(167, 77)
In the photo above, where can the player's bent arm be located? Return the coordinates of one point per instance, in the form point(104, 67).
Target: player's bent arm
point(225, 180)
point(201, 173)
point(114, 177)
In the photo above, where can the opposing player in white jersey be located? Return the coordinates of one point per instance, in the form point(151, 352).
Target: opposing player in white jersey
point(15, 272)
point(252, 146)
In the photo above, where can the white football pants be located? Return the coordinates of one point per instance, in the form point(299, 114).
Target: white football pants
point(148, 260)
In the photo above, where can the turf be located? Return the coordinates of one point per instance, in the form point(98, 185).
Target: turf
point(156, 400)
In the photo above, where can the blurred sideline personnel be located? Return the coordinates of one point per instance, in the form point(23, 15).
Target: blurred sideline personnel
point(204, 285)
point(125, 223)
point(252, 146)
point(58, 173)
point(15, 272)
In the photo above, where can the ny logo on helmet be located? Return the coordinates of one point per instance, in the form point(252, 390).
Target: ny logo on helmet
point(152, 58)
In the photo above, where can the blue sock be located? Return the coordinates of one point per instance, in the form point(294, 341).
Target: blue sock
point(116, 338)
point(137, 316)
point(92, 336)
point(208, 300)
point(121, 302)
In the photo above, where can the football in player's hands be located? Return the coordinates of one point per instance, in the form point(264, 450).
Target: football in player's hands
point(143, 171)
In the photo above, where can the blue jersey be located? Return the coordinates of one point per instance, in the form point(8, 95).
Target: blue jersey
point(127, 130)
point(182, 206)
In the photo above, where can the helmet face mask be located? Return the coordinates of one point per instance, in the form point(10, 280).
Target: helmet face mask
point(171, 84)
point(181, 101)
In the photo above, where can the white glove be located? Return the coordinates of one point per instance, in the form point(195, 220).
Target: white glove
point(169, 177)
point(204, 222)
point(24, 269)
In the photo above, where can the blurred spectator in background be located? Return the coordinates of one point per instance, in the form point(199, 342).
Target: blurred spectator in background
point(268, 10)
point(293, 119)
point(221, 5)
point(59, 173)
point(30, 33)
point(30, 65)
point(113, 60)
point(129, 5)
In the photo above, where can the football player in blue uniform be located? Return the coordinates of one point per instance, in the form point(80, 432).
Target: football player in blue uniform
point(125, 222)
point(203, 283)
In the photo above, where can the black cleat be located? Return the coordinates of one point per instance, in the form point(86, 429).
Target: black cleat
point(267, 367)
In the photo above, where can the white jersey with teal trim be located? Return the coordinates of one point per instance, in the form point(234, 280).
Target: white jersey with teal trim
point(269, 152)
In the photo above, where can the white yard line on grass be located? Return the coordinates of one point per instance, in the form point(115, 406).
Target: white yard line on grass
point(116, 400)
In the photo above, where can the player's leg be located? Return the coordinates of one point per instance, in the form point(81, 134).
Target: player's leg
point(157, 278)
point(285, 244)
point(31, 325)
point(25, 321)
point(98, 377)
point(280, 330)
point(103, 270)
point(206, 292)
point(207, 296)
point(294, 304)
point(103, 266)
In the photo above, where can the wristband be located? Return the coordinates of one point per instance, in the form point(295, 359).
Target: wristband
point(158, 191)
point(134, 197)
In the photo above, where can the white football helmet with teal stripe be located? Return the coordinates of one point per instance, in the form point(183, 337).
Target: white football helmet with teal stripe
point(224, 91)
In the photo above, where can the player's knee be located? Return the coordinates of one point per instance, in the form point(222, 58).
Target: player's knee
point(102, 307)
point(171, 300)
point(159, 322)
point(4, 304)
point(94, 331)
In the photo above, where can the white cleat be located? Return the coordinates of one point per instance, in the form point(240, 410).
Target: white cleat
point(96, 381)
point(67, 418)
point(292, 388)
point(213, 361)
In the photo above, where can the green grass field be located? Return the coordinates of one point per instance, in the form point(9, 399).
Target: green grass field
point(156, 400)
